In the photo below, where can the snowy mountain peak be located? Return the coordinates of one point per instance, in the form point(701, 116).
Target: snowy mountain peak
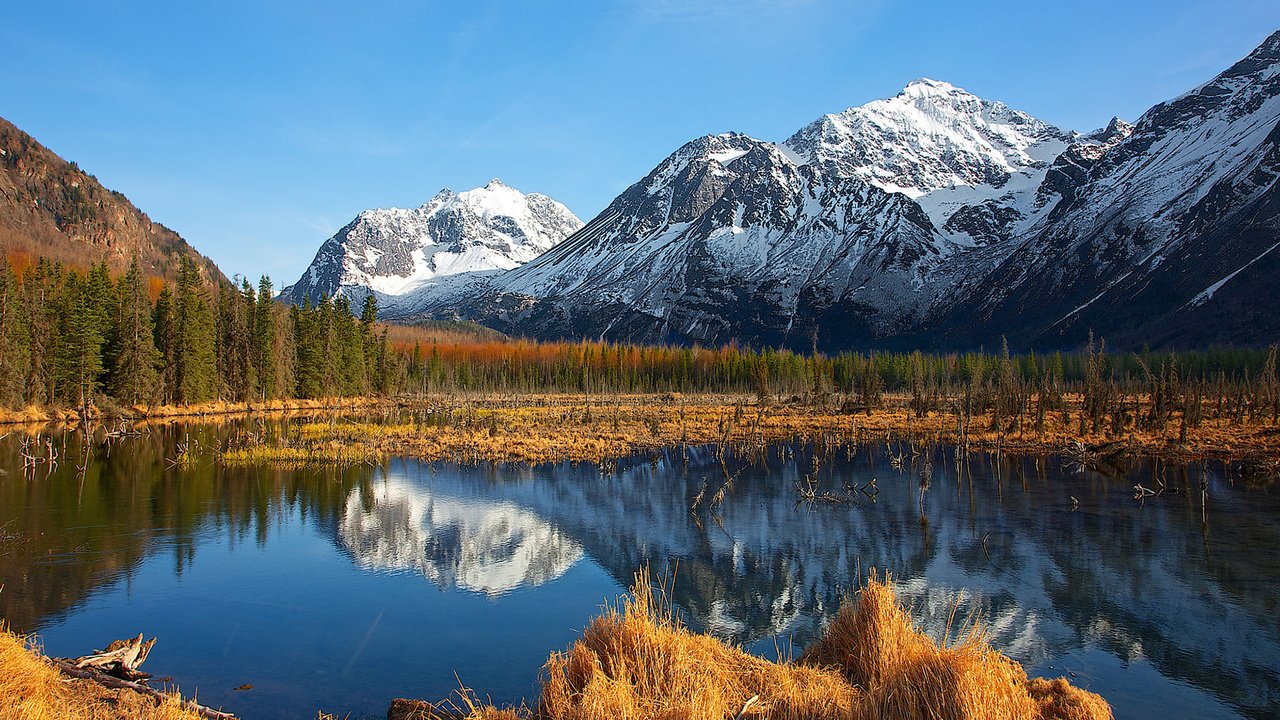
point(931, 136)
point(393, 251)
point(922, 87)
point(1116, 127)
point(444, 195)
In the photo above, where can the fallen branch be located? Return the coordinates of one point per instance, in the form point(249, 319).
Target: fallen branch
point(115, 683)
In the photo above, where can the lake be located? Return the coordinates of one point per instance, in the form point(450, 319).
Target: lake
point(341, 589)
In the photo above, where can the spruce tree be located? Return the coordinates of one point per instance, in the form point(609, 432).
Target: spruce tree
point(195, 358)
point(309, 369)
point(232, 333)
point(13, 345)
point(40, 295)
point(135, 379)
point(79, 357)
point(164, 323)
point(264, 340)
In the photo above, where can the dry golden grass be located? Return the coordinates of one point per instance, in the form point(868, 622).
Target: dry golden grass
point(638, 661)
point(31, 688)
point(871, 641)
point(554, 428)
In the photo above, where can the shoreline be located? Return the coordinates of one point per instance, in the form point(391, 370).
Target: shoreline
point(34, 686)
point(602, 428)
point(215, 411)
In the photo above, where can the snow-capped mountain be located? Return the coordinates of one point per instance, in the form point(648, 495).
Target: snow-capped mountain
point(972, 164)
point(402, 254)
point(931, 219)
point(730, 232)
point(1164, 232)
point(852, 230)
point(928, 137)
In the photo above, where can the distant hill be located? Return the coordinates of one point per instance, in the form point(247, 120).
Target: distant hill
point(51, 208)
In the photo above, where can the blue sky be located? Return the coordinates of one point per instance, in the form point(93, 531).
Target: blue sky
point(257, 129)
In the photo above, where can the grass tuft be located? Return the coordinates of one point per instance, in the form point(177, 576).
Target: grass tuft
point(638, 661)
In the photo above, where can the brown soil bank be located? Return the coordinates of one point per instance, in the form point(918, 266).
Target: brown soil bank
point(637, 661)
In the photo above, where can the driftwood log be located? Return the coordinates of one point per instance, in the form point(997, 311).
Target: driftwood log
point(117, 668)
point(121, 659)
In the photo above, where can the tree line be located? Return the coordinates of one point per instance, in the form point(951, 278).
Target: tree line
point(80, 338)
point(600, 367)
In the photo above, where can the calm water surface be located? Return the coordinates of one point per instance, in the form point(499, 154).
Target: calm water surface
point(338, 590)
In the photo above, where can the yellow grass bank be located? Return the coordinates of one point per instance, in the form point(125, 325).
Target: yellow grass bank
point(31, 688)
point(552, 428)
point(638, 661)
point(213, 410)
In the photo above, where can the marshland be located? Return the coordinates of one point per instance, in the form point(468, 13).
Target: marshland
point(442, 546)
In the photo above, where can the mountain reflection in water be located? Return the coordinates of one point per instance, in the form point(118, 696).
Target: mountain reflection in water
point(490, 547)
point(1154, 611)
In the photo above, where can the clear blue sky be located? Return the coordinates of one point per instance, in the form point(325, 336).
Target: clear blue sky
point(257, 129)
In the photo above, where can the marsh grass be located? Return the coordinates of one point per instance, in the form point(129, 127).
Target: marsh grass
point(637, 660)
point(340, 444)
point(578, 428)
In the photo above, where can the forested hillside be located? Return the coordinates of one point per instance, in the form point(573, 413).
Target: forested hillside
point(51, 208)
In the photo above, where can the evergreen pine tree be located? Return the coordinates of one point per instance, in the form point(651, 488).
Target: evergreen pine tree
point(195, 357)
point(134, 379)
point(164, 324)
point(309, 368)
point(264, 340)
point(40, 295)
point(79, 358)
point(13, 345)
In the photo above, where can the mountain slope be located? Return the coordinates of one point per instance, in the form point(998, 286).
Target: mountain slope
point(729, 238)
point(842, 234)
point(403, 256)
point(1168, 236)
point(50, 208)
